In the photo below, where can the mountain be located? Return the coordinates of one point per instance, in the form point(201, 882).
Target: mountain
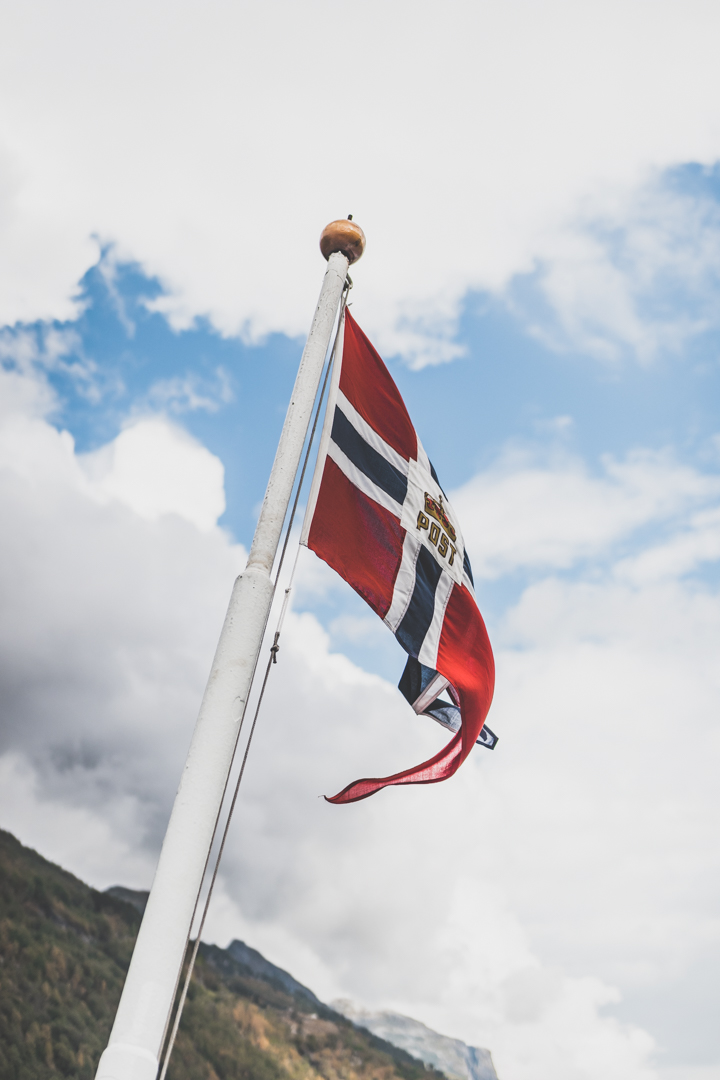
point(454, 1058)
point(64, 950)
point(137, 897)
point(250, 961)
point(254, 963)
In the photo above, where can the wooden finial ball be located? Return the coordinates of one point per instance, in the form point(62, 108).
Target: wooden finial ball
point(344, 236)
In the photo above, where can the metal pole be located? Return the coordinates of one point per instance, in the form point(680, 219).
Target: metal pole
point(147, 998)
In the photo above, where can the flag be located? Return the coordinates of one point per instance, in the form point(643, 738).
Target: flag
point(379, 517)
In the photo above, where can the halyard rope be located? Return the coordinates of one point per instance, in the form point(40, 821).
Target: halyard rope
point(274, 648)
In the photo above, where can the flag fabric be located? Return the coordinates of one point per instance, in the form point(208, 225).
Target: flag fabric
point(379, 517)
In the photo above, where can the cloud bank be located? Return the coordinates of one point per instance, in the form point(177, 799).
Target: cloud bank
point(212, 142)
point(546, 881)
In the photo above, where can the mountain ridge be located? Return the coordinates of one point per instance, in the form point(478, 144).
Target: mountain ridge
point(64, 951)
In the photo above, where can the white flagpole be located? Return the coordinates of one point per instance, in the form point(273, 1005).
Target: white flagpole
point(141, 1020)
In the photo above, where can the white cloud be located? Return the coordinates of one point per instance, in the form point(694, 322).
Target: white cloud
point(586, 834)
point(572, 865)
point(697, 1072)
point(156, 468)
point(188, 393)
point(101, 848)
point(48, 348)
point(213, 141)
point(99, 597)
point(525, 514)
point(637, 274)
point(698, 542)
point(344, 900)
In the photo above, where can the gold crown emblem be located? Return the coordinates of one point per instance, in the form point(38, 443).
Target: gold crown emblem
point(436, 510)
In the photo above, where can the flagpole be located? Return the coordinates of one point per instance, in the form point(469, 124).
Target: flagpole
point(143, 1013)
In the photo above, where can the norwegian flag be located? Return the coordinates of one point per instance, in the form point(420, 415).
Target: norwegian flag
point(378, 516)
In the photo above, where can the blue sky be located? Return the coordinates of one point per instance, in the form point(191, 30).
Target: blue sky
point(518, 386)
point(509, 386)
point(542, 211)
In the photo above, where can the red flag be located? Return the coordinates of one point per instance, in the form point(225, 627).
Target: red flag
point(379, 517)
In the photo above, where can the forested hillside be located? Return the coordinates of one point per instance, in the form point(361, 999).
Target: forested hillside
point(64, 949)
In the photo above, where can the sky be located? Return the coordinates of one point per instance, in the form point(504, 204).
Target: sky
point(539, 183)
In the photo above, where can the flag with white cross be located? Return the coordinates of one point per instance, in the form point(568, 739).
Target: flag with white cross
point(378, 515)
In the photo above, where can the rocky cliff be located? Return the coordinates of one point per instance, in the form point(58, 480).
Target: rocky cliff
point(454, 1058)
